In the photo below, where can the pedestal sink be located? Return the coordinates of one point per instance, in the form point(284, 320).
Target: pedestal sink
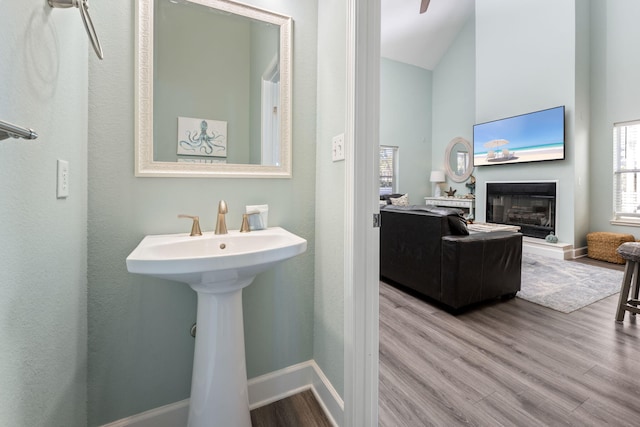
point(217, 267)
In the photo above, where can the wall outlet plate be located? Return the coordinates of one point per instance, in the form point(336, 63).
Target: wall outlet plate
point(63, 179)
point(337, 148)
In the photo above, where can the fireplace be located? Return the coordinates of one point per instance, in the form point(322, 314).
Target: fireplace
point(529, 205)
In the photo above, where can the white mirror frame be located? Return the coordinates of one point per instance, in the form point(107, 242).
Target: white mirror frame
point(145, 166)
point(447, 160)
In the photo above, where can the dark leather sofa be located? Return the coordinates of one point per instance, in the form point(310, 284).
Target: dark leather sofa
point(430, 251)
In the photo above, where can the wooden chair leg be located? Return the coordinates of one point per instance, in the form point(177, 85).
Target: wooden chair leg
point(634, 290)
point(629, 269)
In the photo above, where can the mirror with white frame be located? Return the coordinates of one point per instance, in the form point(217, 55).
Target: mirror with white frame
point(458, 159)
point(213, 87)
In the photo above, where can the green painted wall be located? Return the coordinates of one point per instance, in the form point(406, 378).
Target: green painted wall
point(140, 350)
point(43, 301)
point(593, 75)
point(454, 106)
point(405, 122)
point(526, 61)
point(218, 45)
point(615, 90)
point(328, 342)
point(582, 120)
point(139, 354)
point(265, 44)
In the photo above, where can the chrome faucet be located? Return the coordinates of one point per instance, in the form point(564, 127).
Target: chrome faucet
point(221, 224)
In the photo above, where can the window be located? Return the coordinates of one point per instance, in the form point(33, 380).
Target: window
point(388, 169)
point(626, 167)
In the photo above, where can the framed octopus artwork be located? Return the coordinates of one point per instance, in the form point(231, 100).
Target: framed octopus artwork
point(202, 137)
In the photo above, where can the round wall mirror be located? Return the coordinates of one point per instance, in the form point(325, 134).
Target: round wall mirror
point(458, 159)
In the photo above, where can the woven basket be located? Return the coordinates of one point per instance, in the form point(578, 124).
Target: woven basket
point(602, 245)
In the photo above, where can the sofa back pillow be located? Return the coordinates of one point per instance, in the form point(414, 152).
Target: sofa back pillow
point(387, 197)
point(457, 223)
point(400, 201)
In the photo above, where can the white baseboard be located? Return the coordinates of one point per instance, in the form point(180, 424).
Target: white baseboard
point(329, 399)
point(553, 250)
point(286, 382)
point(580, 252)
point(171, 415)
point(263, 390)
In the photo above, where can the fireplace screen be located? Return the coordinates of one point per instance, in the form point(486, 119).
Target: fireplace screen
point(529, 205)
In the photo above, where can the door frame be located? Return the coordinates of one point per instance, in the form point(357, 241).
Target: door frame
point(361, 276)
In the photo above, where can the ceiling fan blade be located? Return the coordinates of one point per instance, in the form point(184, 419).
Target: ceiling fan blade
point(424, 5)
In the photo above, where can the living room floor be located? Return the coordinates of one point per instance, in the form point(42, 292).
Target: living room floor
point(511, 363)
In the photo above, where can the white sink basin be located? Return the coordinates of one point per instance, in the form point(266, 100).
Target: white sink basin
point(213, 260)
point(217, 267)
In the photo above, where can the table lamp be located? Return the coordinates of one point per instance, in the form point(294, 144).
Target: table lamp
point(437, 177)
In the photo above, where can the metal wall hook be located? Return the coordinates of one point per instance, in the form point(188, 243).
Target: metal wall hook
point(83, 5)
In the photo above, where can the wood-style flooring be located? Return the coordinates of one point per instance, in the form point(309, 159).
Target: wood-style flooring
point(299, 410)
point(587, 260)
point(509, 363)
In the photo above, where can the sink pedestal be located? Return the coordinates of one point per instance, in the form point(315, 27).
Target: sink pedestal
point(217, 267)
point(219, 394)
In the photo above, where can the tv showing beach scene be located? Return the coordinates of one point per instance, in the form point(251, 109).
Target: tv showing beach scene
point(531, 137)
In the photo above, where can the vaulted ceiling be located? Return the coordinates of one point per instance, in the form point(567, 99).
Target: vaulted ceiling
point(421, 39)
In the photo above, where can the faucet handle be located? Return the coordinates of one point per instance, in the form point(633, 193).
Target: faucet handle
point(222, 207)
point(245, 222)
point(244, 228)
point(195, 228)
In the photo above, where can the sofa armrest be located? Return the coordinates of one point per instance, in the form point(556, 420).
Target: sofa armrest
point(480, 266)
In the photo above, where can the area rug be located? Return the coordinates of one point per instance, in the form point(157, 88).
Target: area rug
point(563, 285)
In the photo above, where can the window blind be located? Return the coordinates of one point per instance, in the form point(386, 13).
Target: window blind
point(626, 168)
point(388, 169)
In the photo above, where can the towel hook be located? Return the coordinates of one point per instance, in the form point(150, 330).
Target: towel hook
point(83, 5)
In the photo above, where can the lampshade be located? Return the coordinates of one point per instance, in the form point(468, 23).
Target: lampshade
point(437, 176)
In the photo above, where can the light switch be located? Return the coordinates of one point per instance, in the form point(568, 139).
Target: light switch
point(63, 179)
point(337, 148)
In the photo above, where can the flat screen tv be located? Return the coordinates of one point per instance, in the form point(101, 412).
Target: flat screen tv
point(531, 137)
